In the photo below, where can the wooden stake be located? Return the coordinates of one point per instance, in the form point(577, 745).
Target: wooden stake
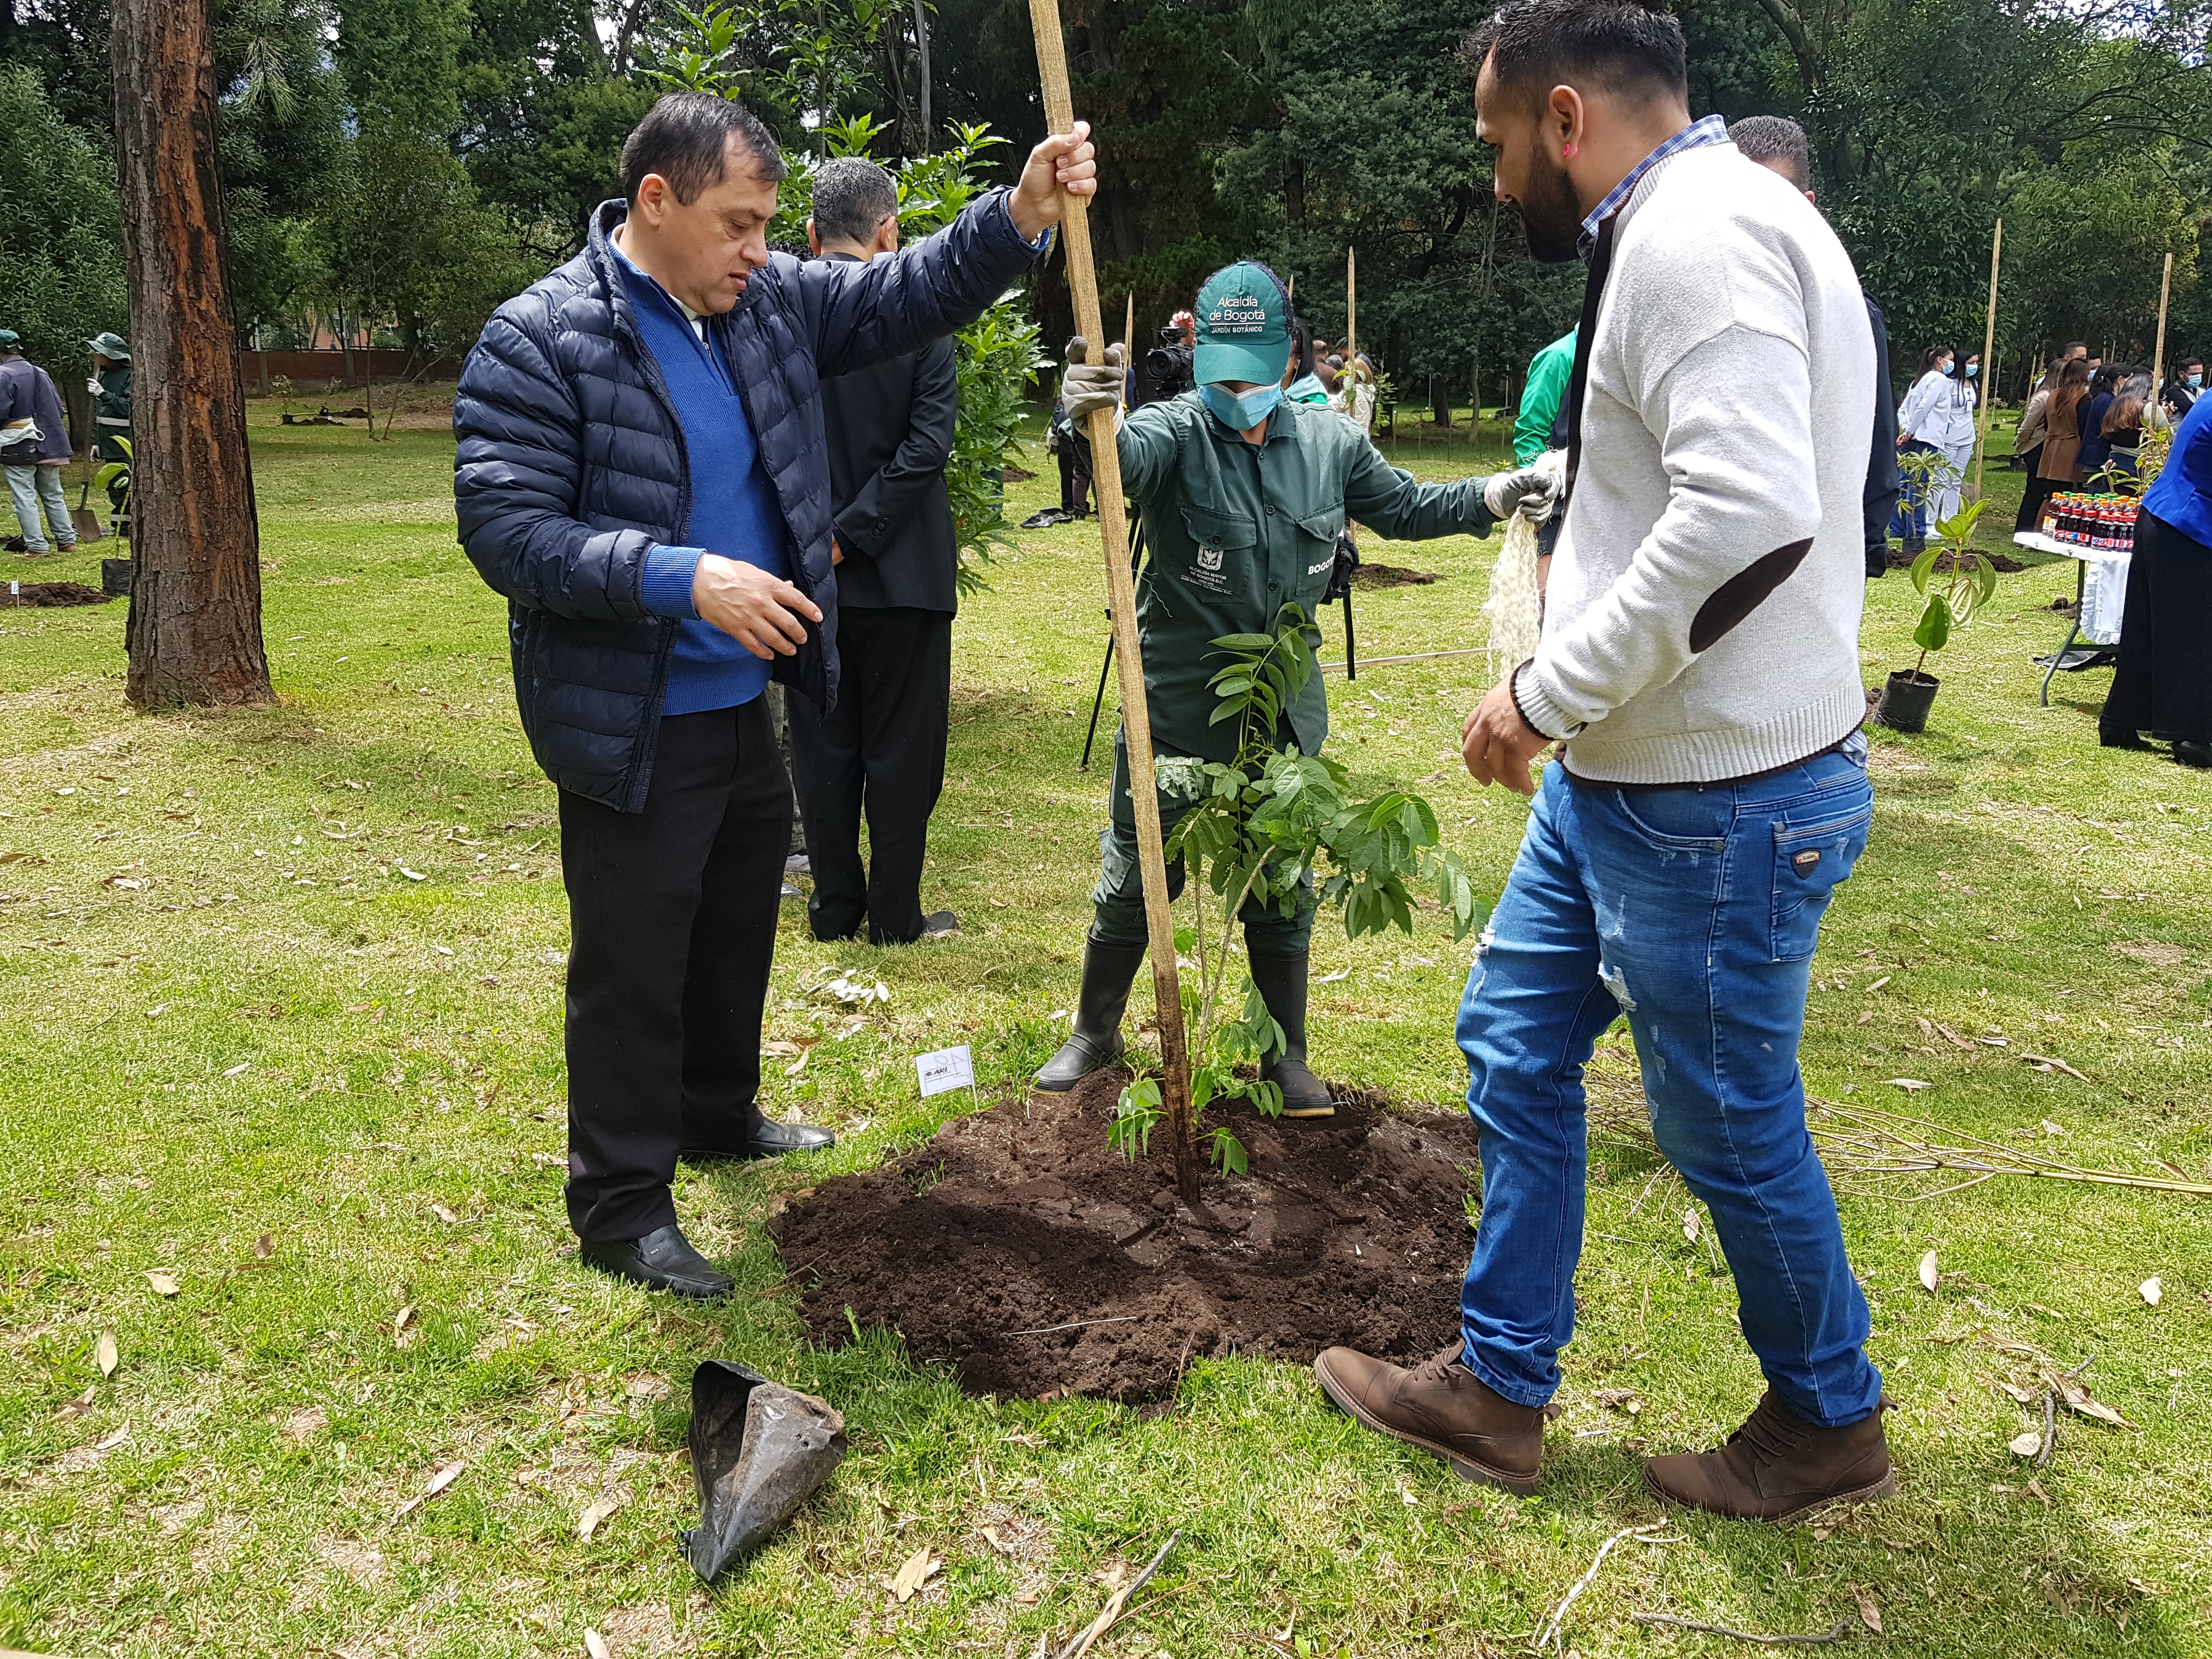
point(1989, 348)
point(2158, 355)
point(1136, 716)
point(1129, 332)
point(1351, 306)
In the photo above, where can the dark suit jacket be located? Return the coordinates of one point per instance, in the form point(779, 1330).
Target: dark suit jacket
point(889, 435)
point(1883, 481)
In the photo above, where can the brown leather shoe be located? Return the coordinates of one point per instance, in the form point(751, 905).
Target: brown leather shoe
point(1778, 1466)
point(1443, 1408)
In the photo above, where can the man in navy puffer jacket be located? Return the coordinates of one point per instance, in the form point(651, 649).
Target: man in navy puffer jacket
point(641, 473)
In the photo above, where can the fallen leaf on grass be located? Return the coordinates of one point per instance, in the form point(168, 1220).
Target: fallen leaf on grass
point(78, 1407)
point(1927, 1273)
point(1621, 1399)
point(1690, 1225)
point(596, 1645)
point(264, 1248)
point(2027, 1444)
point(1876, 986)
point(991, 1537)
point(438, 1480)
point(2081, 1400)
point(411, 875)
point(401, 1335)
point(1952, 1036)
point(780, 1048)
point(921, 1567)
point(105, 1355)
point(1866, 1018)
point(1910, 1084)
point(2049, 1063)
point(2051, 1128)
point(2152, 1290)
point(2025, 1396)
point(595, 1513)
point(114, 1437)
point(445, 1215)
point(1870, 1614)
point(163, 1284)
point(796, 1065)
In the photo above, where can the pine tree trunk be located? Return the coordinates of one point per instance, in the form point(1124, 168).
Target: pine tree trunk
point(195, 628)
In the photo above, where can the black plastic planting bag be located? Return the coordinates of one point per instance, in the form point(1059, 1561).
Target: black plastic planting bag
point(758, 1451)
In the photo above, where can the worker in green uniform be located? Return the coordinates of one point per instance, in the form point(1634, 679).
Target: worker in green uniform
point(1244, 493)
point(110, 386)
point(1543, 401)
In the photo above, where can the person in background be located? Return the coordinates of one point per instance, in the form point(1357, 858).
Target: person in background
point(881, 748)
point(2163, 685)
point(110, 386)
point(1938, 416)
point(2096, 450)
point(1301, 381)
point(2183, 387)
point(2060, 466)
point(640, 472)
point(1244, 492)
point(2027, 442)
point(35, 446)
point(1542, 423)
point(2123, 423)
point(1778, 143)
point(1700, 662)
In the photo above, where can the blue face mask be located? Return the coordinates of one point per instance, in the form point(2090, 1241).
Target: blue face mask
point(1972, 369)
point(1241, 413)
point(2196, 379)
point(1951, 368)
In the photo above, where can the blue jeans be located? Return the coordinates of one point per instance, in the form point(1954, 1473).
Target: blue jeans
point(1695, 911)
point(37, 493)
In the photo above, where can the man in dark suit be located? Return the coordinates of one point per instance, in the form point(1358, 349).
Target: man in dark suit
point(882, 748)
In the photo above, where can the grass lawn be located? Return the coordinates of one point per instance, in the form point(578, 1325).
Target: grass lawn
point(281, 1102)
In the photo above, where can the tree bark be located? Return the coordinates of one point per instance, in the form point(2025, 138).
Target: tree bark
point(195, 628)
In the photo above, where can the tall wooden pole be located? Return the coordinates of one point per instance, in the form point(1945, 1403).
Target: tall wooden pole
point(2158, 354)
point(1351, 306)
point(195, 626)
point(1989, 348)
point(1136, 714)
point(922, 46)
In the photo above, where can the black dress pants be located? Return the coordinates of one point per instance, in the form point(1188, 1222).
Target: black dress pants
point(672, 916)
point(880, 750)
point(2163, 685)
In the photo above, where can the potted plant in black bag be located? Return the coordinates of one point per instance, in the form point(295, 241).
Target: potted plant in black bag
point(1951, 597)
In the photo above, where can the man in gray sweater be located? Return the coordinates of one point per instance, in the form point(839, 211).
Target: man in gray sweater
point(1699, 661)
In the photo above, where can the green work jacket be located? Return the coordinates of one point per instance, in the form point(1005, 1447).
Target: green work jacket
point(111, 409)
point(1238, 530)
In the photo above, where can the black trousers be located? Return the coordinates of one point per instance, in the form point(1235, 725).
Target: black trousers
point(2163, 685)
point(881, 751)
point(672, 916)
point(1074, 480)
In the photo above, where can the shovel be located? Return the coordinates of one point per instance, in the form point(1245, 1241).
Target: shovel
point(758, 1451)
point(86, 521)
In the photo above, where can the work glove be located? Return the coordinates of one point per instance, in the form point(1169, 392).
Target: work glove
point(1527, 490)
point(1085, 387)
point(92, 385)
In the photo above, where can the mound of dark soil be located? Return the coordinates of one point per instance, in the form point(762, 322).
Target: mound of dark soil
point(1390, 576)
point(42, 595)
point(1017, 1245)
point(1900, 560)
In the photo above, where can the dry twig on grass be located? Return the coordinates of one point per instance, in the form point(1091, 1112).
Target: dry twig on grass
point(1548, 1636)
point(1839, 1632)
point(1878, 1152)
point(1110, 1614)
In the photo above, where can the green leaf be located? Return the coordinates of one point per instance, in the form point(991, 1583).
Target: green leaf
point(1924, 566)
point(1229, 1153)
point(1934, 626)
point(1246, 641)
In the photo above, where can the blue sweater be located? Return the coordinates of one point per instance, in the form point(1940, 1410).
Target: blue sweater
point(734, 506)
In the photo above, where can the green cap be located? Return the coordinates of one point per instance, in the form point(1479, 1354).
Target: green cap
point(110, 345)
point(9, 339)
point(1243, 326)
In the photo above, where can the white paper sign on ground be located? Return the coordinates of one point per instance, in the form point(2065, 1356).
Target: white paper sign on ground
point(947, 1068)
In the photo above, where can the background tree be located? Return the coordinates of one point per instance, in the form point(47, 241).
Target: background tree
point(195, 626)
point(61, 233)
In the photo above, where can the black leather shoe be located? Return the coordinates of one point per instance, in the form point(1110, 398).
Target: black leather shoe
point(2193, 754)
point(662, 1261)
point(771, 1140)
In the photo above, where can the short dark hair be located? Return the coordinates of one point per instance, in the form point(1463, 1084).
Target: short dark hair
point(852, 197)
point(1768, 139)
point(685, 138)
point(2197, 362)
point(1532, 46)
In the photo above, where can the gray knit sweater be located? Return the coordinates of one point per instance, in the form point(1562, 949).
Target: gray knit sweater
point(1702, 616)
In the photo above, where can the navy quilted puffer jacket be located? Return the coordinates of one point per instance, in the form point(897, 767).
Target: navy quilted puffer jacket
point(572, 467)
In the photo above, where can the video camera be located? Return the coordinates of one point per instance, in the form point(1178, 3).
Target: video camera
point(1171, 365)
